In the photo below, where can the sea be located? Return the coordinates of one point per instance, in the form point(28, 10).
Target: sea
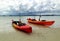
point(39, 33)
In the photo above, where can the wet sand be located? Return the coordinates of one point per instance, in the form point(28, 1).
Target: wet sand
point(40, 33)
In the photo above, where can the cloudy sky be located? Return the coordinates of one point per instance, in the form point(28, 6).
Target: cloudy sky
point(23, 6)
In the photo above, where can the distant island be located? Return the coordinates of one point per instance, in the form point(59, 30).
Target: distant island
point(29, 15)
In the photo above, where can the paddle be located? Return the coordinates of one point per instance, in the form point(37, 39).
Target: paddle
point(20, 20)
point(39, 17)
point(34, 17)
point(12, 20)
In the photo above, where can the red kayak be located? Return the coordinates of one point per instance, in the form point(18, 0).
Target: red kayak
point(41, 22)
point(22, 26)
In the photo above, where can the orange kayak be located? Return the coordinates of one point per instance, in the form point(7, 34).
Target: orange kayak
point(42, 22)
point(23, 27)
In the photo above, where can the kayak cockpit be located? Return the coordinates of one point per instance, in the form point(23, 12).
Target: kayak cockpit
point(31, 19)
point(18, 23)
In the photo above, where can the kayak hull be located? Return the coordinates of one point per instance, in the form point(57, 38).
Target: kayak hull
point(25, 28)
point(44, 23)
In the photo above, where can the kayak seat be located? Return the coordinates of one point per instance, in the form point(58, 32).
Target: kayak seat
point(43, 20)
point(15, 22)
point(33, 19)
point(21, 24)
point(18, 23)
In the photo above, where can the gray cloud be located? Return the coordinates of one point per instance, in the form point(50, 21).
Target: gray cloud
point(32, 8)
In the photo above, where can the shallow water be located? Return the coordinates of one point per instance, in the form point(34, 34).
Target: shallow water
point(40, 33)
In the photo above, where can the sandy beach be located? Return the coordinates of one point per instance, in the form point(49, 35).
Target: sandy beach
point(39, 33)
